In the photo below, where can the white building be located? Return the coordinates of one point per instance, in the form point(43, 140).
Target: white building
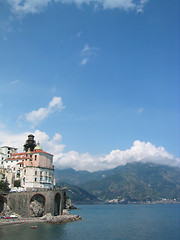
point(32, 168)
point(5, 152)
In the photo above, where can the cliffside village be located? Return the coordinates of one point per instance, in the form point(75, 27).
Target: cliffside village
point(30, 169)
point(30, 175)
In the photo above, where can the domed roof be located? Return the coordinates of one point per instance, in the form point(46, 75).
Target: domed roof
point(38, 147)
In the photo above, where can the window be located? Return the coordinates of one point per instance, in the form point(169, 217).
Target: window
point(35, 179)
point(24, 172)
point(35, 157)
point(18, 174)
point(40, 179)
point(24, 180)
point(35, 172)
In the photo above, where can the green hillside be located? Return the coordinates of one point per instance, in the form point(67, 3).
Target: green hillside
point(79, 195)
point(74, 177)
point(135, 182)
point(138, 183)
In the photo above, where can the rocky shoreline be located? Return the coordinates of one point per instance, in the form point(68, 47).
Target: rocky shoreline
point(64, 219)
point(48, 218)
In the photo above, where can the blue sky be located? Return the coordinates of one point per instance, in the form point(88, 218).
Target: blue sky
point(91, 77)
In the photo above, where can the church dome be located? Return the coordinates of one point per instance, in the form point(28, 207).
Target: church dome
point(38, 147)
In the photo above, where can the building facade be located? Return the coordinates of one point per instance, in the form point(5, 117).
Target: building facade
point(5, 152)
point(30, 169)
point(31, 179)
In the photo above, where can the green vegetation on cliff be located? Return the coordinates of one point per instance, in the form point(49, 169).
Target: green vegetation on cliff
point(78, 195)
point(136, 182)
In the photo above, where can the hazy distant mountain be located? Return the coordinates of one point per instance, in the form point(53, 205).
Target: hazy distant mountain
point(74, 177)
point(138, 182)
point(135, 182)
point(79, 195)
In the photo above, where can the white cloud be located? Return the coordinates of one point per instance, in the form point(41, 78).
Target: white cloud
point(110, 4)
point(86, 48)
point(14, 82)
point(84, 61)
point(140, 7)
point(123, 4)
point(13, 140)
point(52, 146)
point(139, 152)
point(87, 53)
point(23, 7)
point(36, 116)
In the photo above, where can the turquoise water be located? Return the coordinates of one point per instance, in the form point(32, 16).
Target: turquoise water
point(111, 222)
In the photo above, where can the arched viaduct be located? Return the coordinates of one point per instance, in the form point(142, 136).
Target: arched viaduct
point(51, 201)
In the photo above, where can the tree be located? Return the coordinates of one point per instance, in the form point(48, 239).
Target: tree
point(17, 183)
point(4, 186)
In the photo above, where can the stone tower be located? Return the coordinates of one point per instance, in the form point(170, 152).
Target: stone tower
point(30, 143)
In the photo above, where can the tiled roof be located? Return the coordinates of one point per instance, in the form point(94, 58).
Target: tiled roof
point(41, 151)
point(20, 163)
point(16, 154)
point(33, 152)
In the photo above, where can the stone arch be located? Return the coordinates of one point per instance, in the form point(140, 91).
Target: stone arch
point(3, 202)
point(57, 204)
point(37, 205)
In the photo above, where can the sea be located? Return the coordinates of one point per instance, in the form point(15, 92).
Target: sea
point(106, 222)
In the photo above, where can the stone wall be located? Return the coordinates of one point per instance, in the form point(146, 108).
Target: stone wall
point(52, 201)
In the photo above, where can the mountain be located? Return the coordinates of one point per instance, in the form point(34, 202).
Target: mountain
point(135, 182)
point(138, 183)
point(79, 195)
point(74, 177)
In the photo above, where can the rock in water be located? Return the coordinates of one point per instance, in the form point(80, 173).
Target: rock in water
point(36, 209)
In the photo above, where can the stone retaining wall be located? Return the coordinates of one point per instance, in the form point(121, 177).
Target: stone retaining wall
point(52, 201)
